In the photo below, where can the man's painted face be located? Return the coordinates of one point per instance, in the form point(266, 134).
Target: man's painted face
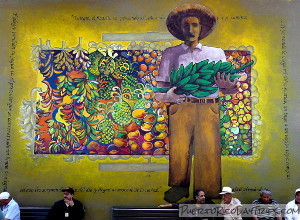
point(201, 197)
point(191, 28)
point(297, 197)
point(265, 198)
point(227, 198)
point(68, 196)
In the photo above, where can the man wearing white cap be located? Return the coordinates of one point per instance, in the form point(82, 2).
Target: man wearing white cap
point(230, 207)
point(10, 208)
point(292, 209)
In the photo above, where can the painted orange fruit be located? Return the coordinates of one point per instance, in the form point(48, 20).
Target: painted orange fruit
point(133, 134)
point(135, 147)
point(120, 142)
point(159, 144)
point(146, 127)
point(160, 127)
point(153, 54)
point(92, 145)
point(139, 113)
point(149, 136)
point(147, 145)
point(143, 67)
point(149, 118)
point(147, 152)
point(159, 151)
point(162, 135)
point(132, 127)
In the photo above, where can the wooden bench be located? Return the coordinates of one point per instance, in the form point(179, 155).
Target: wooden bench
point(120, 213)
point(34, 213)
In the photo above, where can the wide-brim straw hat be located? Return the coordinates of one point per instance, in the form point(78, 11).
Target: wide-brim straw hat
point(226, 190)
point(205, 15)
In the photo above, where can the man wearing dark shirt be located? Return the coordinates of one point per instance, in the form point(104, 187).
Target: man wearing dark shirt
point(67, 208)
point(199, 201)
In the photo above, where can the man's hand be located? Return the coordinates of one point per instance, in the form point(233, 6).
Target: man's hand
point(226, 86)
point(170, 96)
point(69, 202)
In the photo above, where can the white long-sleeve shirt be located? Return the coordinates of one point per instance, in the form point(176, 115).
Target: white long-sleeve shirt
point(11, 210)
point(292, 211)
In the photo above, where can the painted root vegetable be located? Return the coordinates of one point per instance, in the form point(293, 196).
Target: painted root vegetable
point(198, 79)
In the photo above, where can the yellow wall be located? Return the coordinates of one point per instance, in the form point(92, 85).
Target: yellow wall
point(54, 21)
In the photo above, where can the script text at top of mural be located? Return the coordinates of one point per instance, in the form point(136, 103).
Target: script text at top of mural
point(143, 18)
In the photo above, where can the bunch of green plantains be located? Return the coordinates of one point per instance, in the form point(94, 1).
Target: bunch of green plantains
point(197, 79)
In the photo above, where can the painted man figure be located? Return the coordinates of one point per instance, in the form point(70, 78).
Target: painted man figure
point(193, 121)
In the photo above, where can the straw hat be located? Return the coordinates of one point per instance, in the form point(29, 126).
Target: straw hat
point(226, 190)
point(206, 17)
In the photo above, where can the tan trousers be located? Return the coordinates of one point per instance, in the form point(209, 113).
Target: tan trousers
point(198, 125)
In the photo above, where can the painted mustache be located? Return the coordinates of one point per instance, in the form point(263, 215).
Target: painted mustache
point(190, 35)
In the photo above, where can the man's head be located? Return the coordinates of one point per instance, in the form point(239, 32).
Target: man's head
point(199, 196)
point(226, 194)
point(202, 16)
point(68, 193)
point(297, 195)
point(227, 197)
point(265, 196)
point(190, 28)
point(5, 198)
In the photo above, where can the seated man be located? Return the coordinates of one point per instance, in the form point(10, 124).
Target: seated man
point(199, 200)
point(11, 210)
point(268, 205)
point(292, 209)
point(230, 207)
point(67, 208)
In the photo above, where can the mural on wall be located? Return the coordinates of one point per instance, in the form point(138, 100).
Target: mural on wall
point(103, 103)
point(55, 116)
point(107, 102)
